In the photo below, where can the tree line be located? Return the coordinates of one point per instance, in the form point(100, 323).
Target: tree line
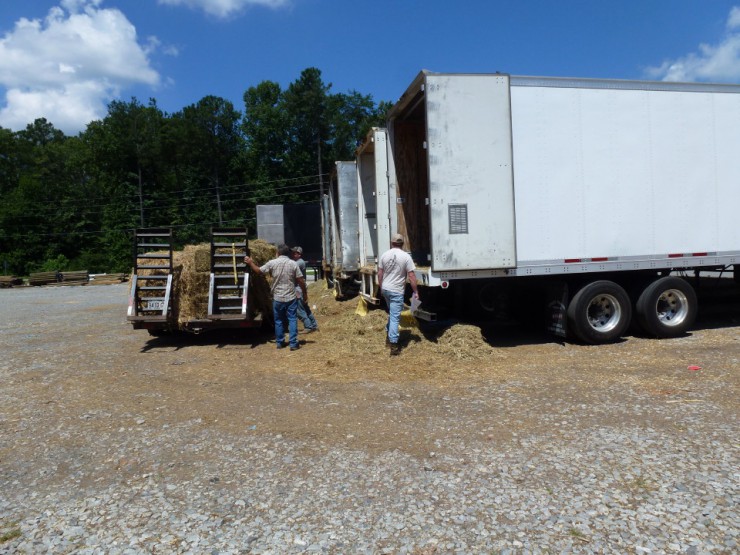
point(72, 203)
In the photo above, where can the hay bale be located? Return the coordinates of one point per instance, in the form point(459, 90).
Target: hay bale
point(201, 258)
point(260, 296)
point(191, 293)
point(261, 251)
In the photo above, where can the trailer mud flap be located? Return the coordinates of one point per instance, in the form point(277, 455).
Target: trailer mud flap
point(557, 304)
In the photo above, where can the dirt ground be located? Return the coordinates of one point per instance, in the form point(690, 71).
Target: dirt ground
point(87, 402)
point(488, 383)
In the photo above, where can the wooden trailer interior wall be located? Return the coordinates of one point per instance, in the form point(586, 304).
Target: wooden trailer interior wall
point(412, 175)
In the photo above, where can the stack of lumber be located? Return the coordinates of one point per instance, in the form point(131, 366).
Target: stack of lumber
point(81, 277)
point(10, 281)
point(43, 278)
point(107, 279)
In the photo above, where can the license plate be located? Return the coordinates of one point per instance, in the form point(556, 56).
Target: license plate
point(154, 305)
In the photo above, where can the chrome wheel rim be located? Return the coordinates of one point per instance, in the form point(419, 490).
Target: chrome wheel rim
point(672, 307)
point(604, 313)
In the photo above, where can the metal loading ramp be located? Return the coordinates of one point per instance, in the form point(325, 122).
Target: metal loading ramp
point(229, 287)
point(151, 283)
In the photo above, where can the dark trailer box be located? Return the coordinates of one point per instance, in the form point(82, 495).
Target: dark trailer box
point(292, 224)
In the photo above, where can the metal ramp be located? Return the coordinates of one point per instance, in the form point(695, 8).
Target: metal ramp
point(151, 282)
point(229, 284)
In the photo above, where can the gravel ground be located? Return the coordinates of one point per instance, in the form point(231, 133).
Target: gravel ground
point(115, 442)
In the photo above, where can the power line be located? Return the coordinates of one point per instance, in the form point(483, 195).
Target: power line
point(159, 203)
point(241, 221)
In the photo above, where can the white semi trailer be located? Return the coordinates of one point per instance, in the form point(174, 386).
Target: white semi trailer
point(340, 230)
point(376, 206)
point(588, 195)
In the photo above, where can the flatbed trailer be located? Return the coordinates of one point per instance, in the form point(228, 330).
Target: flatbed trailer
point(154, 292)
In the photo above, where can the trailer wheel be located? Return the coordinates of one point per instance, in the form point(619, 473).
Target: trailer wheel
point(667, 307)
point(600, 312)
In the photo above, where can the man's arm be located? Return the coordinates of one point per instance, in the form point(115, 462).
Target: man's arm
point(412, 281)
point(250, 262)
point(301, 281)
point(380, 279)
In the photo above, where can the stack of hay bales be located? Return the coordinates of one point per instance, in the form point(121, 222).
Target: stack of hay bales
point(191, 280)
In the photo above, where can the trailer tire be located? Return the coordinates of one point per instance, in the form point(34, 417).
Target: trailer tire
point(667, 307)
point(600, 312)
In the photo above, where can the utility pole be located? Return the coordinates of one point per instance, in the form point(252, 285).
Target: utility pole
point(321, 171)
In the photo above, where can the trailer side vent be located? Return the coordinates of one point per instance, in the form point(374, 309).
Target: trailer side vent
point(458, 218)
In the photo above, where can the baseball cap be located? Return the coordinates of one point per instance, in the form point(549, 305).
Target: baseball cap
point(299, 250)
point(397, 238)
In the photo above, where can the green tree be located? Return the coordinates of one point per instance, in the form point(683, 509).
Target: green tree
point(305, 103)
point(213, 141)
point(265, 130)
point(39, 212)
point(351, 116)
point(294, 136)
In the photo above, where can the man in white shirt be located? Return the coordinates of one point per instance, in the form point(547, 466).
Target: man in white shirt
point(394, 267)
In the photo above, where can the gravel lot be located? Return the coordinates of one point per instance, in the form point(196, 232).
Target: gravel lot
point(115, 442)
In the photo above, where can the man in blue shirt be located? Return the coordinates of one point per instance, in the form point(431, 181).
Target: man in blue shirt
point(304, 310)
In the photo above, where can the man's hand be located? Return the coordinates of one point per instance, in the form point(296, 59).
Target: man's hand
point(256, 269)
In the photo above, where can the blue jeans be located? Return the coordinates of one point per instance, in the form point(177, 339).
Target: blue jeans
point(282, 311)
point(306, 316)
point(395, 306)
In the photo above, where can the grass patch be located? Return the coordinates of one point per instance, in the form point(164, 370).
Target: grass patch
point(10, 535)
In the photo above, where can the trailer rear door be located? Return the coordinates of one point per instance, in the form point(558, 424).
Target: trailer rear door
point(471, 193)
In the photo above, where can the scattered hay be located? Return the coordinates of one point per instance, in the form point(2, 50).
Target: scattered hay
point(463, 342)
point(351, 336)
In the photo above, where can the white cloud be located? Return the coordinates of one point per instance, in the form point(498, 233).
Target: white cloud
point(712, 62)
point(224, 8)
point(67, 67)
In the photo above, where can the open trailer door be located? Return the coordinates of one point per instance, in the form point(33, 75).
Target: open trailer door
point(471, 189)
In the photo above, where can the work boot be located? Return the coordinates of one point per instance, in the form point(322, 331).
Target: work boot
point(395, 349)
point(388, 342)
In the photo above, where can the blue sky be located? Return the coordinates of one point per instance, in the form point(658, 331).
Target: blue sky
point(66, 59)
